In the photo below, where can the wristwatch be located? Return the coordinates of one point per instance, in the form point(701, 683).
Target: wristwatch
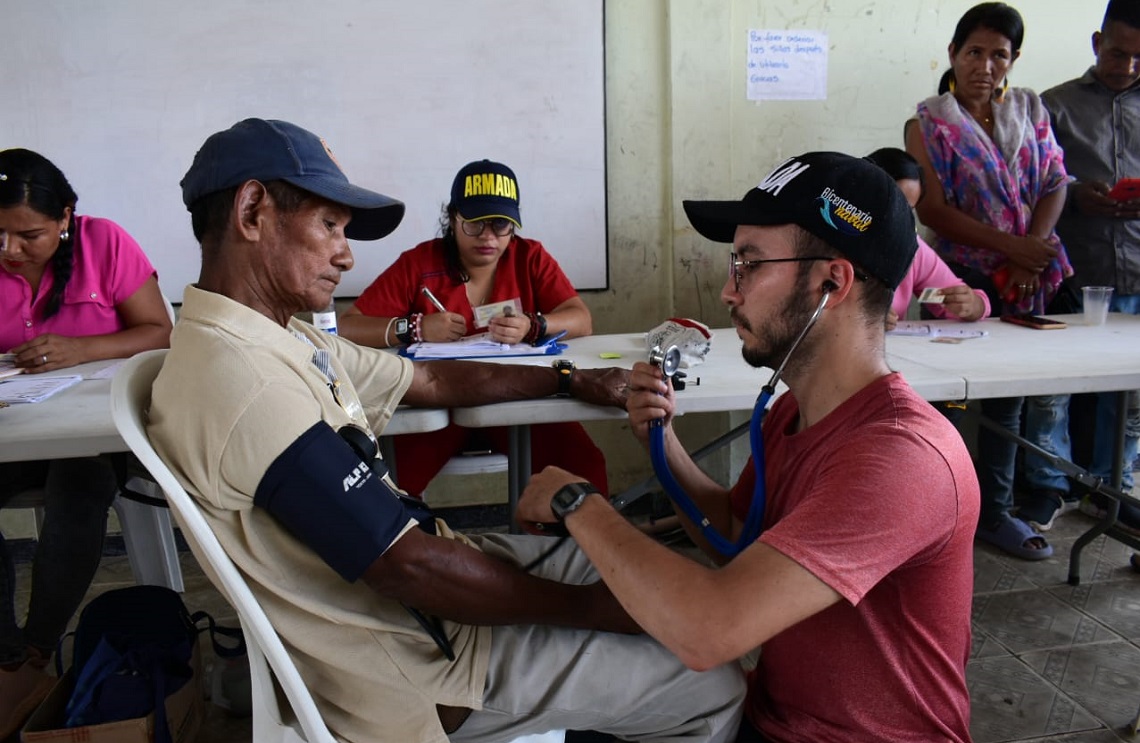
point(570, 498)
point(403, 332)
point(565, 369)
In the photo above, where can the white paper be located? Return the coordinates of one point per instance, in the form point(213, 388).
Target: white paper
point(473, 346)
point(787, 65)
point(8, 366)
point(34, 388)
point(927, 330)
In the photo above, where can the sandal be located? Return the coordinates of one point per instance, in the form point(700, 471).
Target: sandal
point(1014, 536)
point(1044, 506)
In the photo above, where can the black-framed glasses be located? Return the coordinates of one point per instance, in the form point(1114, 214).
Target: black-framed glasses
point(501, 226)
point(737, 266)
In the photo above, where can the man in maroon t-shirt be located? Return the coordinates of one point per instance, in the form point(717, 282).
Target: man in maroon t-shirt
point(858, 587)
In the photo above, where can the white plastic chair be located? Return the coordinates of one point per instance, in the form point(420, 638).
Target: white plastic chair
point(130, 397)
point(268, 659)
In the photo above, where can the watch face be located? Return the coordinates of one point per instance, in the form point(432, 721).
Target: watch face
point(401, 326)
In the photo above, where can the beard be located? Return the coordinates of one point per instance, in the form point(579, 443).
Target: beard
point(775, 342)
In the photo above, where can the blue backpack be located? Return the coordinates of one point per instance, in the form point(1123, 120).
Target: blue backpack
point(133, 649)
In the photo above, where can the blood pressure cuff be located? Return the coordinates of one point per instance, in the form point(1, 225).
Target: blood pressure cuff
point(329, 498)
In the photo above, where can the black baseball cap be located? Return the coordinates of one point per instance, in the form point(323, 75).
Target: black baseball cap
point(485, 189)
point(269, 150)
point(849, 203)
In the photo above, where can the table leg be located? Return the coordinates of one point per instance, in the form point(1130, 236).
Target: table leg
point(1095, 484)
point(1114, 505)
point(518, 471)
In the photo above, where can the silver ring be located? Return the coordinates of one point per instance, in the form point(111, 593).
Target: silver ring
point(43, 359)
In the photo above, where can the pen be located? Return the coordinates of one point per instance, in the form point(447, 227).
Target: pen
point(431, 298)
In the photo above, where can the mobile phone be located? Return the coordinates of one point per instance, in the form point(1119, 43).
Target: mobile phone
point(1034, 321)
point(1125, 189)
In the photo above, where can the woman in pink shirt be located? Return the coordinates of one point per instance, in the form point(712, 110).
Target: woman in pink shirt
point(927, 270)
point(72, 289)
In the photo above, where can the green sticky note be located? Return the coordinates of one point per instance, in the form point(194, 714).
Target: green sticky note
point(609, 355)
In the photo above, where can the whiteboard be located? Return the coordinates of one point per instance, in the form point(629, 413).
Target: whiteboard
point(121, 93)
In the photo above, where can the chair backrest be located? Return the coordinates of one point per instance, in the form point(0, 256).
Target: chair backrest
point(130, 400)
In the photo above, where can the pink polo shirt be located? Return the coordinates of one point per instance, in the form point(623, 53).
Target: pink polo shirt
point(109, 267)
point(928, 270)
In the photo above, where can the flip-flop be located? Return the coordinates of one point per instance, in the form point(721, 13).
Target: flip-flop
point(1012, 535)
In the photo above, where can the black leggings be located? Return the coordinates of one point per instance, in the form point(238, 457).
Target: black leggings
point(78, 493)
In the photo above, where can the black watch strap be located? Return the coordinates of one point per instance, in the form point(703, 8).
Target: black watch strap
point(565, 369)
point(403, 330)
point(570, 498)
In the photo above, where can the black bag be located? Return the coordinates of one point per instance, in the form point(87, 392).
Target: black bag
point(133, 649)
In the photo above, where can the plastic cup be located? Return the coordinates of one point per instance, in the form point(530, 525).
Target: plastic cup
point(1097, 299)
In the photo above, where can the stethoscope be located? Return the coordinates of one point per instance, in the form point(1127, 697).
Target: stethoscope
point(669, 361)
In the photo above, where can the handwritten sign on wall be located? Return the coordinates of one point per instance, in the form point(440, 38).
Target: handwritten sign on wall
point(787, 65)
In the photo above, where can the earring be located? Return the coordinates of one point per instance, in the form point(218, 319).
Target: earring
point(1000, 95)
point(64, 236)
point(952, 84)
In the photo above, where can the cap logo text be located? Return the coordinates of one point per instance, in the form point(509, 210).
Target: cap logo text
point(851, 219)
point(328, 151)
point(490, 184)
point(784, 173)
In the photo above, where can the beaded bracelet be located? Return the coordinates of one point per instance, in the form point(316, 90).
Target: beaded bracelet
point(417, 327)
point(537, 328)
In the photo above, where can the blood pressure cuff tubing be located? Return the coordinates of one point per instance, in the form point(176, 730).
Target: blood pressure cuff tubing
point(328, 498)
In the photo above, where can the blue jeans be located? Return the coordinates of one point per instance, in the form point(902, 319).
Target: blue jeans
point(1047, 426)
point(1107, 412)
point(78, 493)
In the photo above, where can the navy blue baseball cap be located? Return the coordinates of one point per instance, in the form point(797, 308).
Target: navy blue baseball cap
point(848, 202)
point(268, 150)
point(485, 189)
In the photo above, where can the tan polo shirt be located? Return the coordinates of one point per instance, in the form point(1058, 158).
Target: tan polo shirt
point(236, 390)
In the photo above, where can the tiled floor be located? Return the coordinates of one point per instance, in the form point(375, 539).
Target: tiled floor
point(1054, 662)
point(1050, 662)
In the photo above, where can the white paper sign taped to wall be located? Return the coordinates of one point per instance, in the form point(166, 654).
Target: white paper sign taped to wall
point(787, 65)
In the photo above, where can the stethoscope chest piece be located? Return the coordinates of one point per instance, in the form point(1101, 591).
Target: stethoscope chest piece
point(667, 360)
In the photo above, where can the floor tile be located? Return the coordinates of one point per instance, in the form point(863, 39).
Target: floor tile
point(1115, 604)
point(1035, 620)
point(1010, 702)
point(1103, 679)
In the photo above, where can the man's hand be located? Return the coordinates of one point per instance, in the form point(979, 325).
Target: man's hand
point(439, 327)
point(963, 302)
point(534, 503)
point(508, 328)
point(1092, 200)
point(651, 397)
point(608, 386)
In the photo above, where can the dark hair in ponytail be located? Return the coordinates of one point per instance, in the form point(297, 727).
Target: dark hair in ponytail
point(30, 179)
point(455, 270)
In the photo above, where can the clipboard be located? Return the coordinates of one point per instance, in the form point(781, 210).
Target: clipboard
point(477, 347)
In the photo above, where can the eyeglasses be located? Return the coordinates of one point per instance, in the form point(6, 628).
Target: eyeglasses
point(736, 266)
point(499, 225)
